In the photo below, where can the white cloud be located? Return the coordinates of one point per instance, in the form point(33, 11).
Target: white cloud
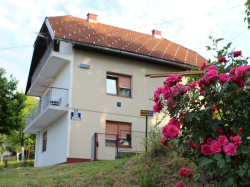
point(20, 19)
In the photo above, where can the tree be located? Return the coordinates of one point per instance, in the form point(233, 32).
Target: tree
point(3, 140)
point(18, 138)
point(248, 13)
point(11, 104)
point(210, 119)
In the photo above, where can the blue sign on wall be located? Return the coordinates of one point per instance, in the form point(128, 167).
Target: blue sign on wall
point(119, 104)
point(76, 115)
point(84, 66)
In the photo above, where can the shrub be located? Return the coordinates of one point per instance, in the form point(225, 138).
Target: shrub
point(212, 115)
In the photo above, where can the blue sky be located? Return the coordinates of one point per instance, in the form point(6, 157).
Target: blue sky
point(21, 19)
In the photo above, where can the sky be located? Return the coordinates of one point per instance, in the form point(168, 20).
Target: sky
point(21, 20)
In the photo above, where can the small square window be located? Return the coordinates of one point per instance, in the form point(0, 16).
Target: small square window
point(118, 85)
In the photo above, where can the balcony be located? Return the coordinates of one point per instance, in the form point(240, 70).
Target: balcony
point(46, 70)
point(49, 108)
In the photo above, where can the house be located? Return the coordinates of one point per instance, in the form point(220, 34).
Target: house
point(90, 78)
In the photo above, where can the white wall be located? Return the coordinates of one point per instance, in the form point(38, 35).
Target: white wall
point(56, 143)
point(62, 79)
point(65, 47)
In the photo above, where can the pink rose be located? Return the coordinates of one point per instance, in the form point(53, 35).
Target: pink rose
point(192, 145)
point(201, 82)
point(231, 79)
point(157, 92)
point(212, 142)
point(212, 75)
point(215, 148)
point(237, 53)
point(239, 82)
point(173, 80)
point(203, 65)
point(157, 107)
point(240, 71)
point(222, 140)
point(219, 130)
point(167, 92)
point(230, 149)
point(180, 185)
point(174, 122)
point(205, 149)
point(223, 78)
point(238, 161)
point(165, 131)
point(192, 84)
point(213, 67)
point(222, 59)
point(183, 172)
point(237, 141)
point(164, 141)
point(208, 140)
point(247, 68)
point(189, 173)
point(232, 71)
point(172, 131)
point(240, 129)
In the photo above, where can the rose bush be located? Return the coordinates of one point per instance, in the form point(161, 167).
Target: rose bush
point(210, 119)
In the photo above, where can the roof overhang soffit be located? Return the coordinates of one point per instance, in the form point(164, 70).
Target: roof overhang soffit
point(127, 54)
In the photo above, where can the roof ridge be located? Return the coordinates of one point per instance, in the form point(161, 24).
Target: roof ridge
point(59, 16)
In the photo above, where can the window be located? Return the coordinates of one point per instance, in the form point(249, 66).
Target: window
point(118, 85)
point(44, 141)
point(118, 130)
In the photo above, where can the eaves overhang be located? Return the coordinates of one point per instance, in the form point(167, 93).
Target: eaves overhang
point(126, 54)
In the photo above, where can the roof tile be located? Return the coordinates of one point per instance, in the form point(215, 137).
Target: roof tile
point(81, 30)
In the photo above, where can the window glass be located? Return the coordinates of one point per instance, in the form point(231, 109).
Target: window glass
point(120, 130)
point(118, 85)
point(111, 86)
point(44, 141)
point(124, 91)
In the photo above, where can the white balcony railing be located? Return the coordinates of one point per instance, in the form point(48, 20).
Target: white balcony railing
point(42, 62)
point(54, 96)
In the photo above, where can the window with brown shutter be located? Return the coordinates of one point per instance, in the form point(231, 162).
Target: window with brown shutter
point(44, 141)
point(118, 130)
point(118, 85)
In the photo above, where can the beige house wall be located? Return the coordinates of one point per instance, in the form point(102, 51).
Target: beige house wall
point(96, 107)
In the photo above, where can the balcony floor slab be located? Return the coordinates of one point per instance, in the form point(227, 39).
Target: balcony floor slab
point(48, 116)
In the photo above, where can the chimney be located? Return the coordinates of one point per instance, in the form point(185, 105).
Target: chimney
point(92, 18)
point(156, 33)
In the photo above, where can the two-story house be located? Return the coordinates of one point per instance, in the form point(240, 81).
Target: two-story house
point(90, 78)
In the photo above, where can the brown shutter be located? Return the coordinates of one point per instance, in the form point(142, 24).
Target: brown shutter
point(111, 128)
point(124, 129)
point(124, 81)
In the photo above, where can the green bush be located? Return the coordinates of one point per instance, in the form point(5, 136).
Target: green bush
point(153, 143)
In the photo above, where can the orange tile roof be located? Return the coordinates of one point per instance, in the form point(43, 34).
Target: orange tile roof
point(81, 30)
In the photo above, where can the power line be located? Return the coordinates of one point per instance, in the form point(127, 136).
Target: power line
point(162, 22)
point(16, 47)
point(239, 32)
point(147, 25)
point(191, 16)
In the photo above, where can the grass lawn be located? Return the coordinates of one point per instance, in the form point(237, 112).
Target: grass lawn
point(15, 164)
point(134, 171)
